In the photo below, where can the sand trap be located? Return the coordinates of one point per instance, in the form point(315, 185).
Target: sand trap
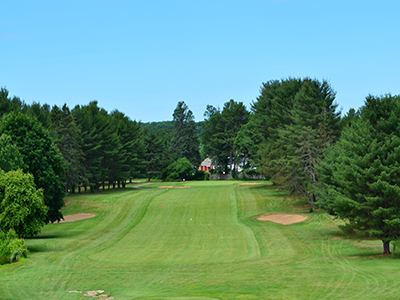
point(284, 219)
point(76, 217)
point(96, 294)
point(250, 183)
point(174, 187)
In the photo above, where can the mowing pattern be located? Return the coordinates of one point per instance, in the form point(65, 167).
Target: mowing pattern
point(198, 243)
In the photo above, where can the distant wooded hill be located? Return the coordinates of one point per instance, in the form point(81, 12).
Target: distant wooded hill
point(169, 125)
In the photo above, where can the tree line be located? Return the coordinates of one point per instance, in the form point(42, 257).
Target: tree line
point(295, 136)
point(292, 134)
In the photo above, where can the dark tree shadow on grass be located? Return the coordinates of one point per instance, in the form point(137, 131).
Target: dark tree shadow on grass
point(44, 236)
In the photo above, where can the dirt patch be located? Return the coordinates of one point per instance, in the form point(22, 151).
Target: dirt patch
point(76, 217)
point(284, 219)
point(162, 204)
point(139, 184)
point(336, 238)
point(378, 256)
point(174, 187)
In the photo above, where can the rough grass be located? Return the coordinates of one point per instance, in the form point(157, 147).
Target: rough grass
point(143, 245)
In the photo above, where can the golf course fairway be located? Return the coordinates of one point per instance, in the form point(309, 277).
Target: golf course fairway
point(203, 241)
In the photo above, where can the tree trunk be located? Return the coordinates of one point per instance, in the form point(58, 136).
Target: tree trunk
point(66, 188)
point(230, 162)
point(79, 189)
point(311, 201)
point(103, 184)
point(386, 247)
point(85, 189)
point(123, 184)
point(113, 184)
point(119, 184)
point(149, 178)
point(313, 198)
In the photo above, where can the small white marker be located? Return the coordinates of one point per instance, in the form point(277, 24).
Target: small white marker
point(190, 219)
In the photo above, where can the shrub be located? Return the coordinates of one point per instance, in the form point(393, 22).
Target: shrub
point(199, 175)
point(178, 170)
point(11, 247)
point(21, 206)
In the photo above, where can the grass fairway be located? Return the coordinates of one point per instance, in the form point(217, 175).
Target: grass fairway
point(198, 243)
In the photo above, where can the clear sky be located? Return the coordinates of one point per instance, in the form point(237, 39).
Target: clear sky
point(142, 57)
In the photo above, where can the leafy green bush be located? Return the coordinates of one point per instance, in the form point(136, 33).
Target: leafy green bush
point(21, 206)
point(11, 247)
point(178, 170)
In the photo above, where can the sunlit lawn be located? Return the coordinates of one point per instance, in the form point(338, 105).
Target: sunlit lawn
point(201, 242)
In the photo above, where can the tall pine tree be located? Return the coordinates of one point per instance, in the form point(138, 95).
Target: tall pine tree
point(361, 172)
point(185, 142)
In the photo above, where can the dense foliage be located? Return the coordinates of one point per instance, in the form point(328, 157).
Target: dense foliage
point(292, 123)
point(69, 142)
point(361, 173)
point(185, 142)
point(293, 134)
point(41, 158)
point(10, 158)
point(111, 144)
point(179, 170)
point(157, 156)
point(220, 132)
point(11, 247)
point(21, 206)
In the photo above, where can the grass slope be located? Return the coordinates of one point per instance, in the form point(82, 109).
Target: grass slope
point(198, 243)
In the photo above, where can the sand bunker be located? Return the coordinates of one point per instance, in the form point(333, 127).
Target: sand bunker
point(77, 217)
point(96, 294)
point(174, 187)
point(284, 219)
point(250, 183)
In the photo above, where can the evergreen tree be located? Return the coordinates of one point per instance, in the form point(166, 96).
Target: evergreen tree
point(304, 102)
point(132, 146)
point(7, 104)
point(292, 123)
point(361, 173)
point(40, 112)
point(157, 145)
point(220, 133)
point(91, 125)
point(184, 142)
point(69, 142)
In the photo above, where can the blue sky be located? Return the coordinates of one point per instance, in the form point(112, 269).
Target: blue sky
point(142, 57)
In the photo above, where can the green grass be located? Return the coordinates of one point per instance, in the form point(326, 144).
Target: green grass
point(142, 244)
